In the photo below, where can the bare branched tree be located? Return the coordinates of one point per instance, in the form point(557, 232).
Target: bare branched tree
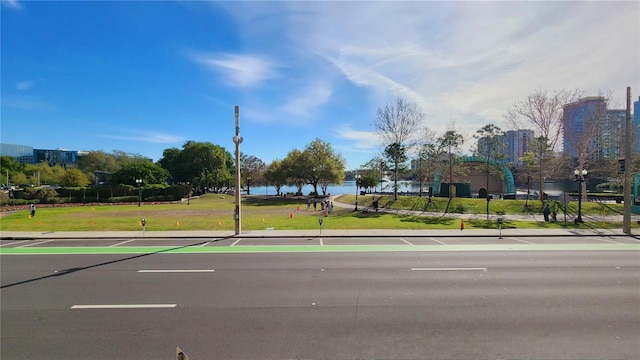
point(397, 124)
point(543, 113)
point(428, 156)
point(252, 169)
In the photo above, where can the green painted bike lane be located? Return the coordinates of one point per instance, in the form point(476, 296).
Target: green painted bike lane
point(313, 248)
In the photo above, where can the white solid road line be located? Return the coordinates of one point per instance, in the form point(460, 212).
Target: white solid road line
point(450, 269)
point(125, 306)
point(177, 271)
point(235, 242)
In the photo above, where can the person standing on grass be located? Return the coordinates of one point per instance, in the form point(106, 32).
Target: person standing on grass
point(32, 209)
point(546, 211)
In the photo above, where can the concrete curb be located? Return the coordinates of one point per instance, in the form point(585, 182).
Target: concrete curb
point(17, 235)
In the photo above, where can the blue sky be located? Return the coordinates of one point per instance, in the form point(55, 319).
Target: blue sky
point(141, 76)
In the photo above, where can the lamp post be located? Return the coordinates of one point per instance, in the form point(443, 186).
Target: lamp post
point(139, 185)
point(381, 174)
point(188, 192)
point(237, 139)
point(580, 178)
point(357, 176)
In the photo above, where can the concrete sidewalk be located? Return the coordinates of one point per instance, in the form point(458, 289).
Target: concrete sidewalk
point(21, 235)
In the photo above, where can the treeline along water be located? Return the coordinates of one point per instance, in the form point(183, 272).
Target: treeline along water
point(347, 187)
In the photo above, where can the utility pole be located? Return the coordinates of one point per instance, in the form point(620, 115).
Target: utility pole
point(626, 215)
point(237, 140)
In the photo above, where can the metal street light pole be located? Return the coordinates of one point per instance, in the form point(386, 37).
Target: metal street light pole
point(139, 184)
point(237, 140)
point(580, 178)
point(626, 215)
point(381, 174)
point(357, 176)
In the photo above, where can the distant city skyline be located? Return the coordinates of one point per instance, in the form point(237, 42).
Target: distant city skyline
point(142, 76)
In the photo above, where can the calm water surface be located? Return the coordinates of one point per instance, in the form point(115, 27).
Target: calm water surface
point(347, 187)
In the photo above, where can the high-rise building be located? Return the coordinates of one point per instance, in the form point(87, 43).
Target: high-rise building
point(588, 127)
point(22, 153)
point(517, 142)
point(28, 155)
point(611, 135)
point(514, 144)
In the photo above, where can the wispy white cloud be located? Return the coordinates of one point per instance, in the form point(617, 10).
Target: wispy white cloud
point(239, 70)
point(24, 85)
point(358, 140)
point(470, 61)
point(308, 100)
point(13, 4)
point(461, 62)
point(151, 137)
point(27, 103)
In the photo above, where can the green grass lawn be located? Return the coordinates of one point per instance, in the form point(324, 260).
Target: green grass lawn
point(215, 212)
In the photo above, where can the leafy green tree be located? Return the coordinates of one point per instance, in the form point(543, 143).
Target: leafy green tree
point(43, 174)
point(251, 169)
point(322, 165)
point(99, 161)
point(20, 179)
point(295, 169)
point(368, 180)
point(374, 168)
point(170, 161)
point(10, 167)
point(195, 158)
point(144, 170)
point(276, 174)
point(396, 154)
point(74, 178)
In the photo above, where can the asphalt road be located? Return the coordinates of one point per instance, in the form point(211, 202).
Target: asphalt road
point(315, 243)
point(376, 305)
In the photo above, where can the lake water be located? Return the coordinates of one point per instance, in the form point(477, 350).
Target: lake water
point(347, 187)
